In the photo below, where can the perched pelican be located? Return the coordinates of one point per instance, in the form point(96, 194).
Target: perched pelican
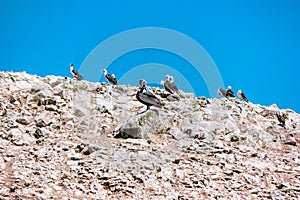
point(75, 73)
point(229, 92)
point(241, 95)
point(146, 97)
point(222, 92)
point(167, 85)
point(173, 85)
point(110, 78)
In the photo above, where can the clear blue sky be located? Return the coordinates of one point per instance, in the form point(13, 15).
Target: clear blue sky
point(255, 44)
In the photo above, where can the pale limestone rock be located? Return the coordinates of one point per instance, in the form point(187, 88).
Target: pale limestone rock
point(57, 141)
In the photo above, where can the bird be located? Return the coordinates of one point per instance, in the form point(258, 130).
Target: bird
point(222, 92)
point(75, 73)
point(281, 118)
point(173, 86)
point(229, 92)
point(110, 78)
point(146, 97)
point(242, 96)
point(167, 84)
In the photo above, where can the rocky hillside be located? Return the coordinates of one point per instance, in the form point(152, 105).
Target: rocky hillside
point(67, 139)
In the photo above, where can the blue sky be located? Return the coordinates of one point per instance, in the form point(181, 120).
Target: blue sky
point(254, 44)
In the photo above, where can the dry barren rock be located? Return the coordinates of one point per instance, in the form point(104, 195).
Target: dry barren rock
point(67, 139)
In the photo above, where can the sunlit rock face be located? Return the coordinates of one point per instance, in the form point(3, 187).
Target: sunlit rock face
point(62, 138)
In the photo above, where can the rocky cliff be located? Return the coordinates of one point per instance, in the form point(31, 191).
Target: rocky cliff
point(67, 139)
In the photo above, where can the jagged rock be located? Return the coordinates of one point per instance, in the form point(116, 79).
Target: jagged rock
point(177, 133)
point(234, 138)
point(40, 123)
point(173, 97)
point(96, 143)
point(42, 132)
point(40, 87)
point(50, 107)
point(23, 121)
point(80, 112)
point(3, 113)
point(130, 132)
point(19, 138)
point(140, 125)
point(87, 149)
point(38, 133)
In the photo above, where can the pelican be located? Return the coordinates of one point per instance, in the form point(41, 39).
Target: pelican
point(241, 95)
point(145, 96)
point(167, 85)
point(75, 73)
point(229, 92)
point(222, 92)
point(173, 85)
point(110, 78)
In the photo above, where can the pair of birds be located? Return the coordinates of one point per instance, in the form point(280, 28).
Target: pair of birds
point(146, 97)
point(229, 93)
point(110, 78)
point(169, 85)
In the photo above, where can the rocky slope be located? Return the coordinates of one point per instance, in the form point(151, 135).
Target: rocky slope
point(67, 139)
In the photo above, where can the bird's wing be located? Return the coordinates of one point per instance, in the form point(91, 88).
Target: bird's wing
point(244, 97)
point(149, 93)
point(168, 87)
point(114, 81)
point(77, 75)
point(149, 99)
point(174, 86)
point(110, 78)
point(229, 92)
point(222, 92)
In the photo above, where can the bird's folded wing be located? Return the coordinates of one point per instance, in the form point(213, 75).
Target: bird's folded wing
point(150, 99)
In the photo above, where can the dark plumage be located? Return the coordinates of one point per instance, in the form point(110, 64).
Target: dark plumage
point(110, 78)
point(242, 96)
point(229, 92)
point(75, 73)
point(146, 97)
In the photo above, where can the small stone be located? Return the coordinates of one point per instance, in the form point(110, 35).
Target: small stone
point(38, 133)
point(40, 123)
point(234, 138)
point(134, 132)
point(50, 107)
point(23, 121)
point(282, 185)
point(49, 101)
point(13, 188)
point(291, 141)
point(228, 173)
point(215, 177)
point(176, 161)
point(26, 184)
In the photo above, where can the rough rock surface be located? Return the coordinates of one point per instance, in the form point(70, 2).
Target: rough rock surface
point(67, 139)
